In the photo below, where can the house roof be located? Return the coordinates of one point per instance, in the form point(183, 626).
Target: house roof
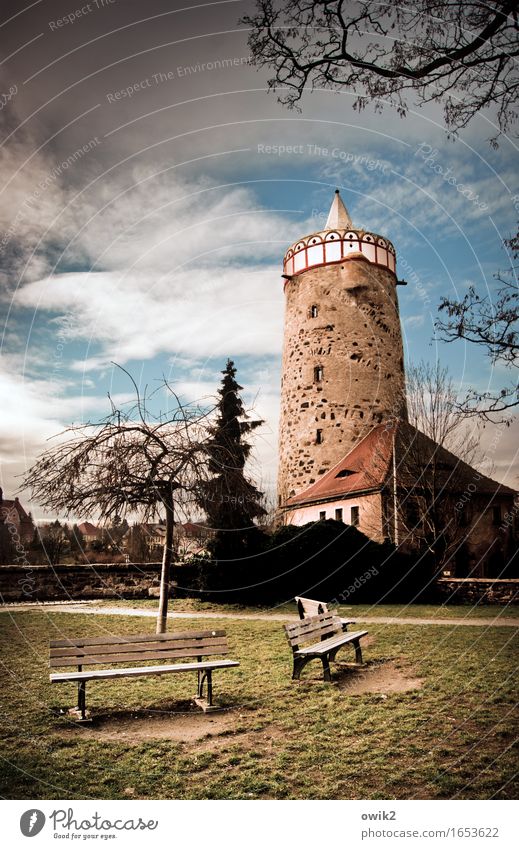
point(88, 529)
point(367, 466)
point(194, 529)
point(154, 529)
point(9, 504)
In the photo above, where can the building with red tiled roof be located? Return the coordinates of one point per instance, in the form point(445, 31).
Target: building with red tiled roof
point(90, 532)
point(13, 514)
point(397, 484)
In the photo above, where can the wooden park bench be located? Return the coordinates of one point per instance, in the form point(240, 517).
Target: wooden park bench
point(97, 651)
point(320, 637)
point(311, 607)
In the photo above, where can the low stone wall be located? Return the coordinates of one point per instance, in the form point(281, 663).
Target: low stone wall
point(142, 580)
point(96, 580)
point(480, 590)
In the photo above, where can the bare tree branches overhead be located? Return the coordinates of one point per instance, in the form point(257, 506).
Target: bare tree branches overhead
point(492, 324)
point(130, 462)
point(463, 55)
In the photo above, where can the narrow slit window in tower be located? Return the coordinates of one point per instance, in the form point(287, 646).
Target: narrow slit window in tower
point(318, 436)
point(318, 374)
point(314, 311)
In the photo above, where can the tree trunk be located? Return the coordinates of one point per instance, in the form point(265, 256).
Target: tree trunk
point(167, 558)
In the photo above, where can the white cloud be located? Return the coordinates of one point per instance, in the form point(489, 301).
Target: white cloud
point(33, 411)
point(414, 320)
point(202, 313)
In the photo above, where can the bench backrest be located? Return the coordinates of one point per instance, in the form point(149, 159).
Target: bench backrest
point(82, 651)
point(312, 629)
point(310, 607)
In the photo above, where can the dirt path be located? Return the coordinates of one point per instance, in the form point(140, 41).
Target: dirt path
point(84, 608)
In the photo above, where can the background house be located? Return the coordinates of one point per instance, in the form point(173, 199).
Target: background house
point(90, 532)
point(399, 485)
point(13, 514)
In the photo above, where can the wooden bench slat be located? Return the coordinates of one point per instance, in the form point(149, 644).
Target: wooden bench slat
point(311, 629)
point(87, 659)
point(311, 622)
point(141, 638)
point(315, 626)
point(124, 648)
point(337, 619)
point(310, 607)
point(132, 672)
point(324, 647)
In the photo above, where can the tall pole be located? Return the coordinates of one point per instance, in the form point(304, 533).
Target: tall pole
point(167, 558)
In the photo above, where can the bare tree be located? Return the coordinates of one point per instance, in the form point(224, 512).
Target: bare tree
point(130, 462)
point(426, 463)
point(462, 55)
point(433, 408)
point(54, 541)
point(492, 324)
point(434, 462)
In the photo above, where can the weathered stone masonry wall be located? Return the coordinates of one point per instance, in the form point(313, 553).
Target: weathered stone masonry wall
point(355, 339)
point(479, 590)
point(101, 580)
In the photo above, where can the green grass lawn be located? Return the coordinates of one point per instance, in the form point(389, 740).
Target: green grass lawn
point(453, 737)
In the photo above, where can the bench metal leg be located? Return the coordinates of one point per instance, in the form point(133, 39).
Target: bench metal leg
point(209, 679)
point(326, 668)
point(358, 652)
point(199, 689)
point(299, 665)
point(81, 699)
point(205, 703)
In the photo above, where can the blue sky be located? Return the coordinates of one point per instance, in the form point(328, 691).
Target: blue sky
point(159, 245)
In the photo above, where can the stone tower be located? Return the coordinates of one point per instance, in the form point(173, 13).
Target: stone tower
point(343, 366)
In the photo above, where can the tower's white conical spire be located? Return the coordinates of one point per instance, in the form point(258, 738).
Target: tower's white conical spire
point(338, 217)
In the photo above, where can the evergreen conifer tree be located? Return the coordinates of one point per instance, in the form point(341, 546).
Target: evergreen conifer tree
point(230, 500)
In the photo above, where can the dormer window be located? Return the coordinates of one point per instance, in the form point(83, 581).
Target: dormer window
point(344, 473)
